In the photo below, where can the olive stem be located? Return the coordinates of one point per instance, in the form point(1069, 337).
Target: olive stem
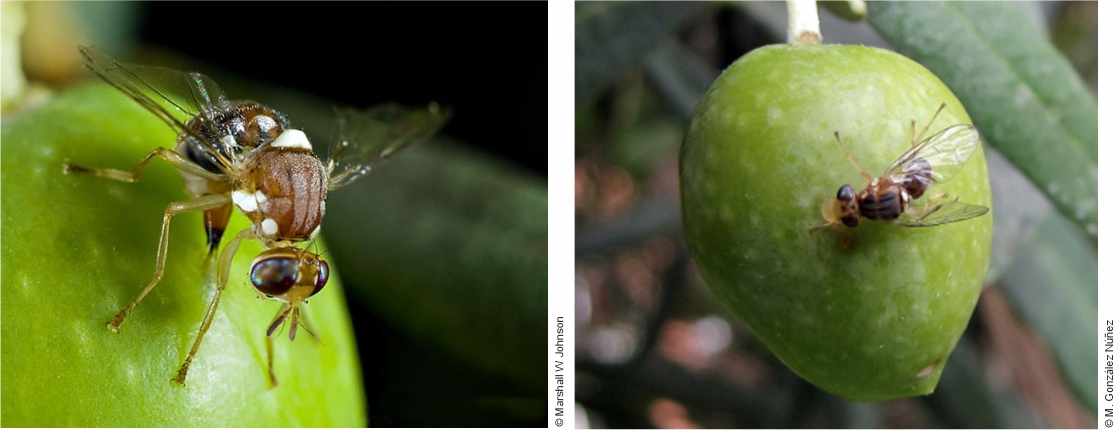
point(804, 22)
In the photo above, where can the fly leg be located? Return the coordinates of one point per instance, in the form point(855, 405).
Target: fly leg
point(287, 312)
point(928, 208)
point(224, 262)
point(824, 225)
point(281, 317)
point(198, 204)
point(852, 160)
point(271, 374)
point(913, 126)
point(202, 203)
point(214, 217)
point(176, 159)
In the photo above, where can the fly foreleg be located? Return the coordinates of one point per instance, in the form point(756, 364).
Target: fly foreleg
point(176, 159)
point(913, 126)
point(198, 204)
point(224, 262)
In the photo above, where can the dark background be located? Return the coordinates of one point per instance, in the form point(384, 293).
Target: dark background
point(486, 60)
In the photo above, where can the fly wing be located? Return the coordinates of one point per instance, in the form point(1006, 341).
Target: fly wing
point(173, 96)
point(947, 213)
point(946, 152)
point(364, 139)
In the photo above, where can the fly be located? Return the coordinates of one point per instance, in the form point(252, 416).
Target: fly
point(890, 197)
point(245, 154)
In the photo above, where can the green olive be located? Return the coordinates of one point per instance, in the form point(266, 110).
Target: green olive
point(868, 313)
point(77, 249)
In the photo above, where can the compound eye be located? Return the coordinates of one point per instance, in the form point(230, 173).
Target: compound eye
point(324, 275)
point(846, 193)
point(275, 276)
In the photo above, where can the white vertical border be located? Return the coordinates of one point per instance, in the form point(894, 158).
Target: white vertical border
point(561, 211)
point(1106, 305)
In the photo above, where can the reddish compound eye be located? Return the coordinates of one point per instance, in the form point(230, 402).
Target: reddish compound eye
point(275, 276)
point(324, 275)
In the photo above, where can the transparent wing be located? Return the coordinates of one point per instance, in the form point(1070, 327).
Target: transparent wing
point(947, 213)
point(366, 138)
point(945, 152)
point(171, 95)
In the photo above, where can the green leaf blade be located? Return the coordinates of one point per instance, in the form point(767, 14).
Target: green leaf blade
point(1024, 97)
point(1054, 286)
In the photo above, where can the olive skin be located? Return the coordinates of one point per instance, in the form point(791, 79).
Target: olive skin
point(867, 313)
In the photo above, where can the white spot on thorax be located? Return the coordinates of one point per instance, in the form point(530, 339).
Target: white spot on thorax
point(228, 141)
point(245, 201)
point(261, 200)
point(292, 139)
point(269, 227)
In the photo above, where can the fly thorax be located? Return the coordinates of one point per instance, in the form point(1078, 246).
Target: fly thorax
point(255, 125)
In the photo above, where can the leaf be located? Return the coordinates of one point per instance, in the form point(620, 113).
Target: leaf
point(1020, 209)
point(451, 248)
point(1053, 285)
point(1026, 100)
point(680, 75)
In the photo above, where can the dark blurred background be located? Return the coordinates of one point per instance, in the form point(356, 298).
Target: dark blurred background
point(487, 61)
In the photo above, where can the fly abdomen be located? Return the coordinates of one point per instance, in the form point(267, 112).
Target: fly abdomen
point(918, 177)
point(883, 206)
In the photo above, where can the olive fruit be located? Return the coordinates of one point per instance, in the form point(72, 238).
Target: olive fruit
point(867, 313)
point(77, 248)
